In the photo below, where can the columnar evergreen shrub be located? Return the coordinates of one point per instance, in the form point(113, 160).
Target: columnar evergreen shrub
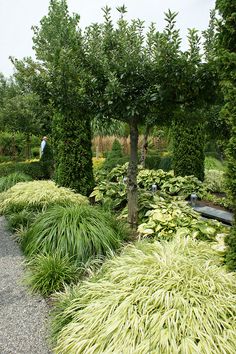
point(58, 44)
point(73, 152)
point(227, 72)
point(115, 156)
point(188, 148)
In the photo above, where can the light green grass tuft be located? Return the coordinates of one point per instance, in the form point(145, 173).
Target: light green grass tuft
point(154, 298)
point(38, 196)
point(50, 272)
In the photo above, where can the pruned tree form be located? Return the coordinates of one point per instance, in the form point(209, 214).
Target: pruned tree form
point(58, 45)
point(226, 48)
point(131, 79)
point(199, 86)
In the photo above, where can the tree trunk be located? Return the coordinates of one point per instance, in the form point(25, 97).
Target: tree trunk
point(144, 146)
point(132, 176)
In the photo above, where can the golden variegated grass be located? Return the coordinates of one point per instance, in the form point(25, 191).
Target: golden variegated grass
point(155, 298)
point(37, 195)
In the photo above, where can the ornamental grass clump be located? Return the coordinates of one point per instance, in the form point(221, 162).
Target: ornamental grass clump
point(215, 181)
point(48, 273)
point(37, 196)
point(154, 298)
point(7, 182)
point(80, 231)
point(21, 220)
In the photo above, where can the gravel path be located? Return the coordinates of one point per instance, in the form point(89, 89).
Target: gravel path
point(22, 316)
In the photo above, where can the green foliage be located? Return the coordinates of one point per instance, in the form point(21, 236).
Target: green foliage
point(183, 186)
point(11, 144)
point(212, 163)
point(21, 220)
point(165, 163)
point(82, 232)
point(30, 168)
point(214, 181)
point(98, 164)
point(10, 180)
point(37, 196)
point(115, 157)
point(73, 154)
point(111, 191)
point(226, 69)
point(111, 195)
point(35, 152)
point(61, 301)
point(159, 297)
point(152, 160)
point(222, 201)
point(21, 111)
point(167, 219)
point(58, 45)
point(188, 149)
point(230, 240)
point(48, 273)
point(5, 159)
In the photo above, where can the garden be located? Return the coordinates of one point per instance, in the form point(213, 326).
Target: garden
point(104, 217)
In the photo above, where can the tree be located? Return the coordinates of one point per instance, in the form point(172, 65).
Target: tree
point(32, 78)
point(227, 72)
point(197, 85)
point(58, 44)
point(20, 112)
point(127, 79)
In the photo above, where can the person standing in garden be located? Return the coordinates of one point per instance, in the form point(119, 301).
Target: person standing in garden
point(46, 159)
point(42, 146)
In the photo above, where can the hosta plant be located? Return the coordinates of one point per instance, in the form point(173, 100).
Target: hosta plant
point(154, 298)
point(112, 195)
point(168, 217)
point(80, 231)
point(38, 196)
point(183, 186)
point(48, 273)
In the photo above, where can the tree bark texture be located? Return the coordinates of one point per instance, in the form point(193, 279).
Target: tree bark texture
point(132, 176)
